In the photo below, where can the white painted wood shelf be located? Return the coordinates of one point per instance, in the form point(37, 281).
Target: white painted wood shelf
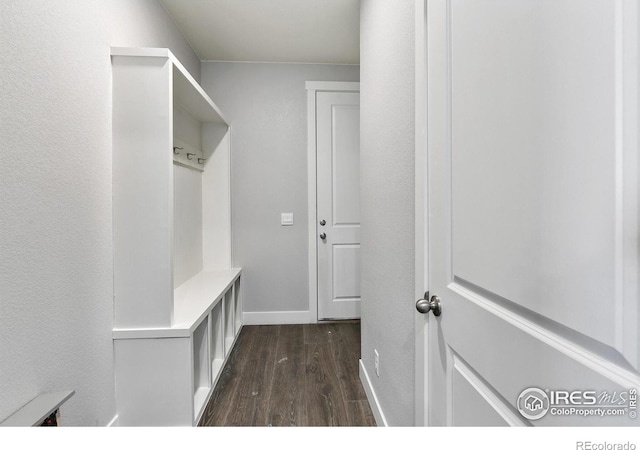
point(187, 93)
point(37, 410)
point(177, 300)
point(194, 296)
point(193, 301)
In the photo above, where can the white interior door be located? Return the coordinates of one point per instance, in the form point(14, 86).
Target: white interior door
point(338, 204)
point(533, 212)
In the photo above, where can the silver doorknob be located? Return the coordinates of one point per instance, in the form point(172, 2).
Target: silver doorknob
point(323, 236)
point(323, 222)
point(424, 305)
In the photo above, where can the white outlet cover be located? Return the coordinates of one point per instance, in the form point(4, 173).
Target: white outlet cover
point(286, 219)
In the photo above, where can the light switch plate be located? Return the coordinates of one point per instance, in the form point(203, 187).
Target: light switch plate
point(286, 219)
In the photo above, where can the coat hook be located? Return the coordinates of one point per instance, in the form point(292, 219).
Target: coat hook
point(175, 150)
point(201, 160)
point(190, 155)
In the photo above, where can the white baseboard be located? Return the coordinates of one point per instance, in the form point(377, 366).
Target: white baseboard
point(381, 421)
point(276, 318)
point(113, 422)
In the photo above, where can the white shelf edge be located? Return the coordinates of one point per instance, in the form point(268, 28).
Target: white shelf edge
point(187, 166)
point(216, 368)
point(194, 84)
point(200, 400)
point(166, 53)
point(38, 409)
point(150, 333)
point(142, 51)
point(232, 343)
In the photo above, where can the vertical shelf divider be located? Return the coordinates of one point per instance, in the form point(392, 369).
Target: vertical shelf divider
point(229, 335)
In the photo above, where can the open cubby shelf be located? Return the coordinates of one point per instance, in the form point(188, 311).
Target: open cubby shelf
point(177, 302)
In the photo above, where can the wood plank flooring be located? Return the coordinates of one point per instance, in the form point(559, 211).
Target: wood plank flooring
point(292, 375)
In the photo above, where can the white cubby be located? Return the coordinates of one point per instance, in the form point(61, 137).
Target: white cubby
point(217, 341)
point(237, 299)
point(172, 240)
point(201, 371)
point(229, 332)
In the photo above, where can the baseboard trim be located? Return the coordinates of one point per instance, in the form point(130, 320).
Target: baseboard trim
point(113, 422)
point(276, 318)
point(381, 421)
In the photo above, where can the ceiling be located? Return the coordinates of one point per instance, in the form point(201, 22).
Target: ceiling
point(308, 31)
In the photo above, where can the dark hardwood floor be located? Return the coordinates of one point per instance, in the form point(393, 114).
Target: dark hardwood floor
point(292, 375)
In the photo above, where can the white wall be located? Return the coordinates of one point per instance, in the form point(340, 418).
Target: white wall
point(56, 275)
point(387, 195)
point(266, 105)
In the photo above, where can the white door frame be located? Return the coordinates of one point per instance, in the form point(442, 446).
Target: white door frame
point(421, 196)
point(313, 87)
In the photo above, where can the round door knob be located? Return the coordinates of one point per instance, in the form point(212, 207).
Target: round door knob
point(323, 222)
point(323, 236)
point(424, 306)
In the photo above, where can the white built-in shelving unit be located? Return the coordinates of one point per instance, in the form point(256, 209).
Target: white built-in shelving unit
point(177, 300)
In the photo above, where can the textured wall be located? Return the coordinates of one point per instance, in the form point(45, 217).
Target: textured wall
point(266, 105)
point(387, 196)
point(56, 275)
